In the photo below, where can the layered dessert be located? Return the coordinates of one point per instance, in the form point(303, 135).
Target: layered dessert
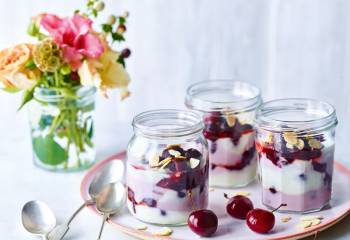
point(295, 170)
point(164, 189)
point(232, 153)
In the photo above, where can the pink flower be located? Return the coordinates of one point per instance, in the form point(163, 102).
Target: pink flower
point(74, 36)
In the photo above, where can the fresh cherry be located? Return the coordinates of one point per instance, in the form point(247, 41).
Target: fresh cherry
point(260, 220)
point(238, 206)
point(203, 222)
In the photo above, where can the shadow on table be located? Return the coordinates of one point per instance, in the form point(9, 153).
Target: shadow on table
point(339, 231)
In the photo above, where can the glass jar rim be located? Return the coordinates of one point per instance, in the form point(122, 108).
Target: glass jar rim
point(222, 95)
point(57, 94)
point(302, 115)
point(165, 123)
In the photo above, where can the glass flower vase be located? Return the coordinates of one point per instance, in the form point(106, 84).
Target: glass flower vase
point(62, 128)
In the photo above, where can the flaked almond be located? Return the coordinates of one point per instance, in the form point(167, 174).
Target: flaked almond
point(290, 137)
point(231, 120)
point(286, 219)
point(142, 227)
point(154, 161)
point(300, 145)
point(211, 189)
point(174, 153)
point(194, 162)
point(173, 146)
point(165, 231)
point(242, 193)
point(304, 224)
point(165, 162)
point(310, 217)
point(315, 144)
point(269, 138)
point(315, 222)
point(290, 146)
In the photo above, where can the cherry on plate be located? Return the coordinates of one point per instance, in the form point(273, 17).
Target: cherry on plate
point(238, 206)
point(203, 222)
point(260, 220)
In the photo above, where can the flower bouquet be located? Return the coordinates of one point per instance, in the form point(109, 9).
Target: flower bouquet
point(59, 74)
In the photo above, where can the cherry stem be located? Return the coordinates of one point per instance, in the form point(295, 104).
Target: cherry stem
point(226, 196)
point(282, 205)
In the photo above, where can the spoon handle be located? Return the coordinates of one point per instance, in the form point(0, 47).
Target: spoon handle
point(104, 219)
point(88, 202)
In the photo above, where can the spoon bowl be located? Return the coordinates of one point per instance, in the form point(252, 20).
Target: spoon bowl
point(111, 172)
point(112, 198)
point(37, 218)
point(109, 201)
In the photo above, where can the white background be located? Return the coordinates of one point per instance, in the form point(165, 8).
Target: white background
point(288, 48)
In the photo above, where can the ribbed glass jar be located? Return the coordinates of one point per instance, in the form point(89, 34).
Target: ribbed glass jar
point(295, 143)
point(62, 128)
point(167, 167)
point(228, 110)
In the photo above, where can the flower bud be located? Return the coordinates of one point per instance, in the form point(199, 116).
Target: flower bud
point(111, 20)
point(126, 14)
point(121, 29)
point(99, 6)
point(65, 70)
point(125, 53)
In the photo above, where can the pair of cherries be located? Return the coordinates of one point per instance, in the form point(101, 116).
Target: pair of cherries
point(205, 222)
point(257, 219)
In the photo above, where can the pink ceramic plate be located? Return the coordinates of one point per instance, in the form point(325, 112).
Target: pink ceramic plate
point(230, 228)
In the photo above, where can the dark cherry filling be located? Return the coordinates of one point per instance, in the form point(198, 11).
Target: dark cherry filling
point(216, 127)
point(182, 178)
point(247, 156)
point(278, 150)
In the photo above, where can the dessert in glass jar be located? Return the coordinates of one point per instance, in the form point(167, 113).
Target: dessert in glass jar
point(167, 167)
point(295, 143)
point(228, 109)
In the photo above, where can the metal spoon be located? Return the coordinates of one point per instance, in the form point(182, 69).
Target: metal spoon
point(37, 218)
point(110, 201)
point(111, 172)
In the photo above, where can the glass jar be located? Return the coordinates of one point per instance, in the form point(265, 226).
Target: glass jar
point(228, 109)
point(62, 128)
point(167, 167)
point(295, 142)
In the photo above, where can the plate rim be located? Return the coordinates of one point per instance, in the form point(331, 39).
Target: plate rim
point(144, 235)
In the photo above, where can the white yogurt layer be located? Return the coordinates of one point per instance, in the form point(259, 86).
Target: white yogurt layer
point(144, 185)
point(222, 177)
point(298, 177)
point(153, 215)
point(227, 153)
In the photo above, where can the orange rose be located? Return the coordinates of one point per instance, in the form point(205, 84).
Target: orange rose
point(13, 74)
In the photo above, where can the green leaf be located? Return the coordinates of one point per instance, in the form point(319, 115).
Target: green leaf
point(26, 97)
point(121, 20)
point(91, 130)
point(94, 12)
point(106, 28)
point(48, 151)
point(30, 65)
point(121, 61)
point(117, 37)
point(33, 29)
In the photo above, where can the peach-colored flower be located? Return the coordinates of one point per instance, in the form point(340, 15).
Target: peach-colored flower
point(12, 73)
point(105, 73)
